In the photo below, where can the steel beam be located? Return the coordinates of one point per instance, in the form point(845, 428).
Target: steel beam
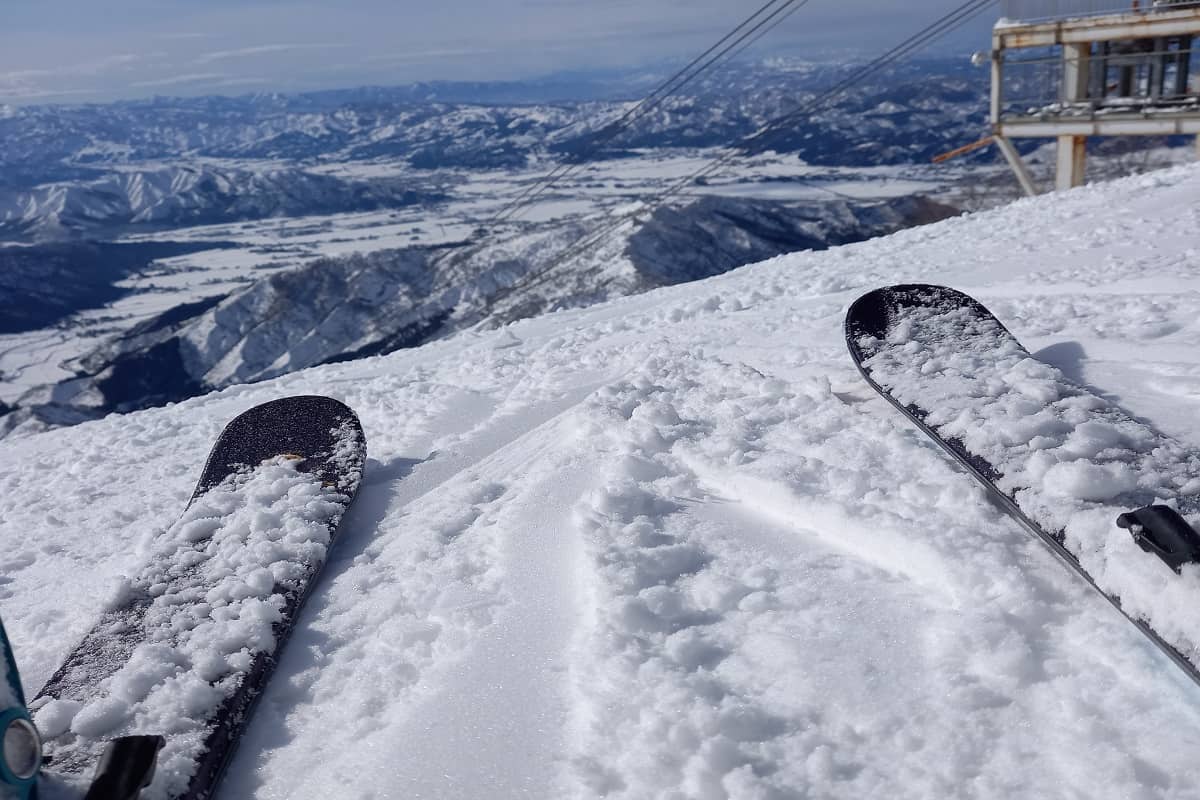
point(1100, 29)
point(1018, 166)
point(1165, 125)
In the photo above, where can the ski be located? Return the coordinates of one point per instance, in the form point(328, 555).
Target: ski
point(161, 688)
point(1114, 499)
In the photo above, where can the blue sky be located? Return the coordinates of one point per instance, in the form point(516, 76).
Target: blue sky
point(89, 51)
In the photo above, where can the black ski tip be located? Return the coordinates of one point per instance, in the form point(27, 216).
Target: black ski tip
point(310, 426)
point(1161, 531)
point(874, 313)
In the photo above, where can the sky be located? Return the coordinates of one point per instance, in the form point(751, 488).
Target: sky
point(87, 51)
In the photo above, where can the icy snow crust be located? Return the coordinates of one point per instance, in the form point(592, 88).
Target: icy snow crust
point(213, 588)
point(675, 547)
point(1071, 460)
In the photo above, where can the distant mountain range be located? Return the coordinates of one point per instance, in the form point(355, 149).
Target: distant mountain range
point(910, 114)
point(190, 194)
point(74, 179)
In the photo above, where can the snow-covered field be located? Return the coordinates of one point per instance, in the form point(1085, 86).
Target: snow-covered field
point(674, 547)
point(251, 250)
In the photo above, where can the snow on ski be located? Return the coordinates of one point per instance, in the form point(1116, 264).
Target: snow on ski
point(188, 644)
point(1080, 472)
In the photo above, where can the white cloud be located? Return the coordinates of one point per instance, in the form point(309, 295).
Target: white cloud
point(424, 55)
point(261, 49)
point(23, 75)
point(35, 93)
point(243, 81)
point(109, 62)
point(175, 80)
point(27, 76)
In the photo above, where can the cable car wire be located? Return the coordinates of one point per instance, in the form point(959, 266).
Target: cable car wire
point(943, 26)
point(655, 99)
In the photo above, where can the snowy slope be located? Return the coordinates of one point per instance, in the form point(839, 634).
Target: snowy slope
point(673, 547)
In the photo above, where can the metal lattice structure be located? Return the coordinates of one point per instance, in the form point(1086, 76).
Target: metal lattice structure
point(1121, 76)
point(1070, 69)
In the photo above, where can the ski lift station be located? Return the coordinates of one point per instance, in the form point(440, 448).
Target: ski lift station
point(1070, 69)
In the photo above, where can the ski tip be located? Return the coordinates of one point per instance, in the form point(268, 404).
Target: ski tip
point(298, 407)
point(873, 313)
point(305, 427)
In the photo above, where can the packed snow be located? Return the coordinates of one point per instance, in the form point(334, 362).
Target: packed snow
point(674, 547)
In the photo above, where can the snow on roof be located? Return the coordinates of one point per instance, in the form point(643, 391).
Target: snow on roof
point(672, 546)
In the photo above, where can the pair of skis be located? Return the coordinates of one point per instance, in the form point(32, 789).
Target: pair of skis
point(164, 681)
point(153, 700)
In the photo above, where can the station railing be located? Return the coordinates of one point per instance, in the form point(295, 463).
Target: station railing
point(1045, 10)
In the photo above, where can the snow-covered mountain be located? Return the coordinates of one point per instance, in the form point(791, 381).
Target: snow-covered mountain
point(375, 196)
point(184, 194)
point(77, 169)
point(673, 546)
point(267, 183)
point(333, 309)
point(905, 114)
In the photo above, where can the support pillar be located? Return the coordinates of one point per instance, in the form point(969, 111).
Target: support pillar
point(996, 104)
point(1077, 72)
point(1072, 150)
point(1158, 68)
point(1098, 89)
point(1018, 166)
point(1072, 160)
point(1183, 66)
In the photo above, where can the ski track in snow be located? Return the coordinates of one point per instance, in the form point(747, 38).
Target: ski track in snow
point(673, 547)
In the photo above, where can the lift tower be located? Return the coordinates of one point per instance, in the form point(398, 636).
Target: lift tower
point(1070, 69)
